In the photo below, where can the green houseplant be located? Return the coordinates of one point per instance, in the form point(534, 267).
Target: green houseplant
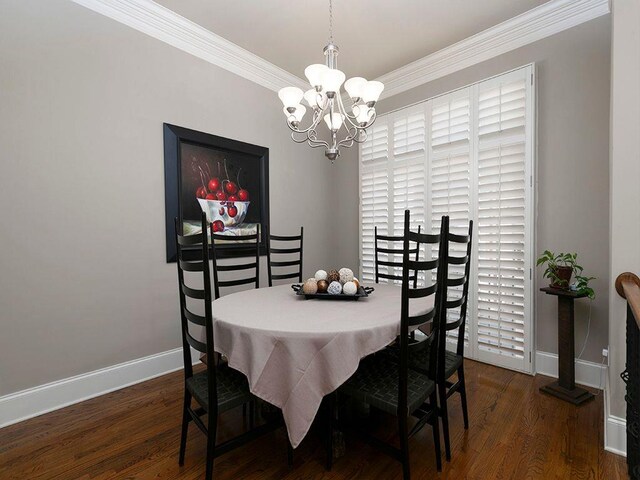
point(559, 268)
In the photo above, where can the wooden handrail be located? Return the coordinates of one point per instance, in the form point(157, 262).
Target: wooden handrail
point(628, 286)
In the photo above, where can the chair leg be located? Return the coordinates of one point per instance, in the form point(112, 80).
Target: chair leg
point(252, 413)
point(211, 447)
point(442, 394)
point(404, 446)
point(433, 399)
point(185, 426)
point(289, 454)
point(330, 399)
point(463, 397)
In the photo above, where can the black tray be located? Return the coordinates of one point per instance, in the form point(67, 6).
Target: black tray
point(362, 292)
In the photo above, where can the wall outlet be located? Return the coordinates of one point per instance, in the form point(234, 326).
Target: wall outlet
point(605, 352)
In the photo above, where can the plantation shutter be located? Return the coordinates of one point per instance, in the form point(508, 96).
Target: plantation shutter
point(450, 177)
point(467, 154)
point(374, 195)
point(503, 227)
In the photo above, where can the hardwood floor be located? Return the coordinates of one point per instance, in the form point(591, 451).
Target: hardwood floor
point(515, 433)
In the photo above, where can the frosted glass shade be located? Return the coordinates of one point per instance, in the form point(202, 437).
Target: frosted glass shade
point(371, 91)
point(337, 121)
point(312, 97)
point(314, 73)
point(354, 86)
point(332, 80)
point(298, 114)
point(363, 113)
point(290, 96)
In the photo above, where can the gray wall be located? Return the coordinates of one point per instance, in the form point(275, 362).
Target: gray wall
point(573, 78)
point(84, 282)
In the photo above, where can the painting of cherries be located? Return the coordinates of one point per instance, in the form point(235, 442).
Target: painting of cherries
point(221, 194)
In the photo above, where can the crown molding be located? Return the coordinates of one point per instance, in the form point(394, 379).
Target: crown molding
point(163, 24)
point(540, 22)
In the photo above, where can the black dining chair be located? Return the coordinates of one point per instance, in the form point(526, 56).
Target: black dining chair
point(219, 388)
point(242, 244)
point(387, 257)
point(287, 256)
point(453, 318)
point(392, 386)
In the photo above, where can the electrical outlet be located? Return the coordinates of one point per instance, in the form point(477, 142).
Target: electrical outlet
point(605, 352)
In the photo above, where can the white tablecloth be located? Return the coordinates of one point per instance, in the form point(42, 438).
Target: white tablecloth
point(296, 351)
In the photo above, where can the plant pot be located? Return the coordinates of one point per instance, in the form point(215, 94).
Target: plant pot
point(564, 274)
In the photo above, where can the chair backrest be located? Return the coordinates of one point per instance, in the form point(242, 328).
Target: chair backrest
point(198, 247)
point(409, 319)
point(249, 245)
point(454, 310)
point(291, 256)
point(393, 257)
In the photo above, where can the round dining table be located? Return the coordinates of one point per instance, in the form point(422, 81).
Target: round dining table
point(295, 351)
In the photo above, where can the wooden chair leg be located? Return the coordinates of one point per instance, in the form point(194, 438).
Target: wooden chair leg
point(211, 447)
point(463, 397)
point(442, 394)
point(404, 446)
point(186, 418)
point(289, 454)
point(331, 406)
point(252, 413)
point(435, 424)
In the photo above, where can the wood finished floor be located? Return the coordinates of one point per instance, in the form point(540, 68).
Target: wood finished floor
point(515, 433)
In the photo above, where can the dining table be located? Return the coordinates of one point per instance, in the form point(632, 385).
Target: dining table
point(295, 351)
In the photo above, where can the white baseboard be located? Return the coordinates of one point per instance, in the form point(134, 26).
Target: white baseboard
point(32, 402)
point(615, 435)
point(587, 373)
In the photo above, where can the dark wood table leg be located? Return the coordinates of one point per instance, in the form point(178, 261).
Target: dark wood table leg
point(565, 387)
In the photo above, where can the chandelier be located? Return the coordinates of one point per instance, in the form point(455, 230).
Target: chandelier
point(325, 101)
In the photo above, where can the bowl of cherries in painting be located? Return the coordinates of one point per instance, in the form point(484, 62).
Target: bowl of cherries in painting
point(224, 202)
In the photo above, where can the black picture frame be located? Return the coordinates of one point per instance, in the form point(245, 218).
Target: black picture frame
point(175, 139)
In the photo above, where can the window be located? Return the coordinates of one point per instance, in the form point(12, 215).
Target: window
point(466, 154)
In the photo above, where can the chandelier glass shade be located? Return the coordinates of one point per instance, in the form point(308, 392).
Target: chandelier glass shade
point(325, 101)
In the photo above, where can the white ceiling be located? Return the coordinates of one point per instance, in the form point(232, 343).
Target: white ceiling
point(374, 36)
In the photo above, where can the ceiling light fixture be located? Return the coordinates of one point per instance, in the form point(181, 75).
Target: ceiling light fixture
point(325, 100)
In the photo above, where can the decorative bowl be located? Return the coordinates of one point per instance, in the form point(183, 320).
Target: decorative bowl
point(212, 209)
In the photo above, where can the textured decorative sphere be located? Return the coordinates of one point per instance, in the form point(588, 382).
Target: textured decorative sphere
point(356, 281)
point(323, 285)
point(349, 288)
point(310, 286)
point(335, 288)
point(321, 275)
point(333, 276)
point(346, 275)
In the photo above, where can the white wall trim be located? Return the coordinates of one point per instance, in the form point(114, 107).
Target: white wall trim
point(587, 373)
point(540, 22)
point(163, 24)
point(32, 402)
point(615, 435)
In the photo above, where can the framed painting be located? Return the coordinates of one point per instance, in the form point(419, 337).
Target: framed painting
point(226, 179)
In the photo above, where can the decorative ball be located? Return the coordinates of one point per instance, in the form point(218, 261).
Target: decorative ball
point(356, 281)
point(346, 275)
point(333, 276)
point(335, 288)
point(321, 275)
point(323, 285)
point(349, 288)
point(310, 286)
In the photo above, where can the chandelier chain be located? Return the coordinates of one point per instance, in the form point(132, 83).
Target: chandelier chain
point(330, 21)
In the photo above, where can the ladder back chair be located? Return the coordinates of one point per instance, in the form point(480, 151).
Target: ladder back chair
point(392, 386)
point(250, 245)
point(288, 257)
point(453, 318)
point(218, 388)
point(393, 251)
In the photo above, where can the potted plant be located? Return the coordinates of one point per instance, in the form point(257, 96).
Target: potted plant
point(561, 267)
